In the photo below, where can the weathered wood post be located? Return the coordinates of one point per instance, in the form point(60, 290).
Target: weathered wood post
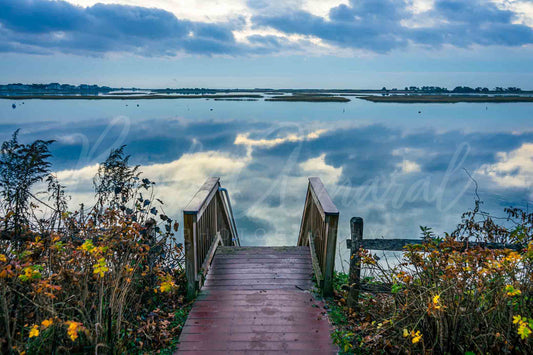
point(356, 242)
point(189, 236)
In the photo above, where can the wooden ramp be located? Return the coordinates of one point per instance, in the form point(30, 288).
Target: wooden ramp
point(257, 300)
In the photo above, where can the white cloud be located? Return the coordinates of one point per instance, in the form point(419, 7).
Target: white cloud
point(321, 7)
point(513, 169)
point(523, 10)
point(419, 6)
point(195, 10)
point(244, 139)
point(318, 167)
point(408, 166)
point(177, 181)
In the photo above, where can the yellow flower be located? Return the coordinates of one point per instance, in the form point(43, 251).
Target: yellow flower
point(30, 272)
point(47, 322)
point(72, 330)
point(436, 301)
point(513, 257)
point(34, 331)
point(100, 268)
point(87, 246)
point(416, 336)
point(3, 258)
point(524, 326)
point(511, 291)
point(523, 330)
point(167, 284)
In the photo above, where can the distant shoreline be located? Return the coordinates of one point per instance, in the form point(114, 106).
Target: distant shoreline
point(408, 99)
point(308, 98)
point(311, 97)
point(128, 97)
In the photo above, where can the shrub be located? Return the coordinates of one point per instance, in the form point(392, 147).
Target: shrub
point(448, 298)
point(108, 279)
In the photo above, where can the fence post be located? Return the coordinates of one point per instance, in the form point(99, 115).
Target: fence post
point(356, 226)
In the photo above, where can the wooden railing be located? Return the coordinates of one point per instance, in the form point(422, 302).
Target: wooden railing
point(318, 230)
point(207, 223)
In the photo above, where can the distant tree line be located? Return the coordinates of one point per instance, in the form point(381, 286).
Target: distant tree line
point(18, 87)
point(457, 89)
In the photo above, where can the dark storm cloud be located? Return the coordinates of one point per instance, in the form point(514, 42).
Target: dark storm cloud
point(45, 27)
point(377, 26)
point(41, 26)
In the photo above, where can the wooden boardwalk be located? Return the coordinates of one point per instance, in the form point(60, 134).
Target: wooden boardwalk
point(257, 300)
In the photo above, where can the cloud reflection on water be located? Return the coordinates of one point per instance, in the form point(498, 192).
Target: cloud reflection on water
point(395, 178)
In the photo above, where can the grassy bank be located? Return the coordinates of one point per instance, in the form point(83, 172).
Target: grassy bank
point(446, 99)
point(308, 98)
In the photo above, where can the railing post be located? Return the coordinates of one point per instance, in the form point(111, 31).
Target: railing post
point(331, 243)
point(356, 226)
point(190, 253)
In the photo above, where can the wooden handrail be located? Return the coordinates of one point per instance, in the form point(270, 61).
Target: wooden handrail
point(207, 223)
point(318, 230)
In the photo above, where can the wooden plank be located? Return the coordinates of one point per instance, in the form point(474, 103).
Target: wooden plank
point(262, 287)
point(231, 282)
point(259, 249)
point(285, 320)
point(257, 294)
point(274, 269)
point(376, 288)
point(294, 265)
point(261, 260)
point(259, 257)
point(242, 352)
point(261, 336)
point(400, 244)
point(304, 276)
point(273, 308)
point(292, 314)
point(252, 257)
point(259, 346)
point(230, 296)
point(237, 329)
point(201, 196)
point(238, 298)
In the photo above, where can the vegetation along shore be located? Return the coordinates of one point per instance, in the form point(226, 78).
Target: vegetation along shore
point(408, 99)
point(127, 97)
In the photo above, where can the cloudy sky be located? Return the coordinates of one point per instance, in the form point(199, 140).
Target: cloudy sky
point(268, 43)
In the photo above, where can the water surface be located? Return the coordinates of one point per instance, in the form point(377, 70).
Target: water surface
point(396, 165)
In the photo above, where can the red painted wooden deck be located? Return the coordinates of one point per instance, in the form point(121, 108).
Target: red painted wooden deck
point(256, 300)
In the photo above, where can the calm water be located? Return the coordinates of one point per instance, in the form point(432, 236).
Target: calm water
point(396, 165)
